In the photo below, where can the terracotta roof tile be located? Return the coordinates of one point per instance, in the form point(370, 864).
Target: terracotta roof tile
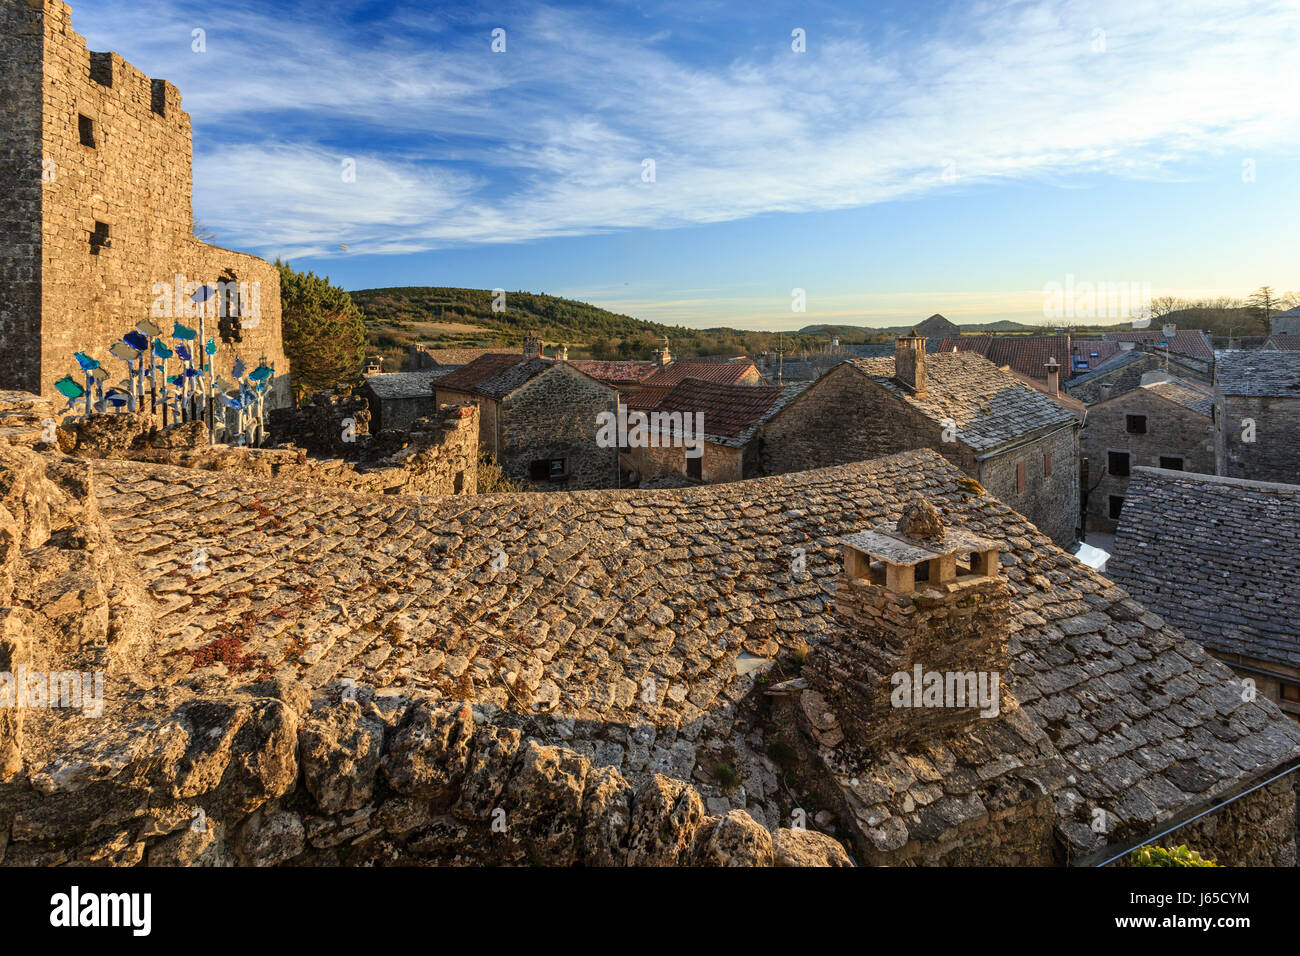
point(723, 373)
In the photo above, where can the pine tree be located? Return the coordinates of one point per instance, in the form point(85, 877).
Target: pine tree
point(324, 332)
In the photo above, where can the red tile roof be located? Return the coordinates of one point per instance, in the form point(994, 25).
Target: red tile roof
point(647, 396)
point(727, 409)
point(1026, 354)
point(721, 373)
point(1190, 342)
point(467, 377)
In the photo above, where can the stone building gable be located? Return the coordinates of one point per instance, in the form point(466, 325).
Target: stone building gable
point(847, 416)
point(553, 415)
point(1257, 405)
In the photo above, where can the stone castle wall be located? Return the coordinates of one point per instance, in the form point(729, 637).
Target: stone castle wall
point(135, 181)
point(22, 46)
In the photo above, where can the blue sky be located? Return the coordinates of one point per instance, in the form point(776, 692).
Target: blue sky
point(913, 158)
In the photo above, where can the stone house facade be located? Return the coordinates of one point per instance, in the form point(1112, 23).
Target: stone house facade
point(1162, 425)
point(539, 419)
point(96, 220)
point(1256, 411)
point(1012, 439)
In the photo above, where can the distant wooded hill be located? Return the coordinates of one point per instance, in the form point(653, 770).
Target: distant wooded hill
point(447, 317)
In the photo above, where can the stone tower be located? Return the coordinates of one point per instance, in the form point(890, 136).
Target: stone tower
point(96, 221)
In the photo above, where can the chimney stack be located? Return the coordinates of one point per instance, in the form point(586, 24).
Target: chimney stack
point(532, 346)
point(909, 362)
point(1053, 377)
point(563, 354)
point(923, 617)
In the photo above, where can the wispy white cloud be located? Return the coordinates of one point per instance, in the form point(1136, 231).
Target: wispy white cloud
point(457, 145)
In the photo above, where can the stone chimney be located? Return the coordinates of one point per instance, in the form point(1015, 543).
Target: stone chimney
point(920, 651)
point(1053, 376)
point(532, 346)
point(563, 353)
point(1106, 389)
point(909, 362)
point(662, 357)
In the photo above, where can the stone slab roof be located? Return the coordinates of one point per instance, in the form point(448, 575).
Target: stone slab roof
point(604, 590)
point(458, 357)
point(1190, 342)
point(615, 371)
point(1258, 372)
point(1185, 395)
point(512, 377)
point(990, 407)
point(937, 327)
point(1218, 557)
point(395, 385)
point(723, 373)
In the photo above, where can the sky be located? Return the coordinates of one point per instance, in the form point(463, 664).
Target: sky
point(746, 164)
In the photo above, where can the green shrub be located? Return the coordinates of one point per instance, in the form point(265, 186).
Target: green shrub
point(1159, 856)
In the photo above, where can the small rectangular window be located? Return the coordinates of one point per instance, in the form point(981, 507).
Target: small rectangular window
point(1116, 505)
point(1047, 464)
point(1117, 463)
point(1173, 464)
point(1020, 477)
point(1135, 424)
point(101, 68)
point(86, 130)
point(558, 468)
point(539, 470)
point(100, 238)
point(158, 96)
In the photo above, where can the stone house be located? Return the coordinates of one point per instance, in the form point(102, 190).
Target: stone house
point(1130, 368)
point(1014, 440)
point(1217, 557)
point(398, 398)
point(1286, 323)
point(1256, 411)
point(539, 418)
point(1160, 425)
point(731, 416)
point(96, 216)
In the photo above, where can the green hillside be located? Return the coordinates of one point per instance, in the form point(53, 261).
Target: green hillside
point(396, 318)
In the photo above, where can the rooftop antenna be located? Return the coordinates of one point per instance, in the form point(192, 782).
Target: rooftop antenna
point(780, 358)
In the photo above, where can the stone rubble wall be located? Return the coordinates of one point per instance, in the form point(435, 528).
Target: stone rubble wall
point(433, 457)
point(263, 777)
